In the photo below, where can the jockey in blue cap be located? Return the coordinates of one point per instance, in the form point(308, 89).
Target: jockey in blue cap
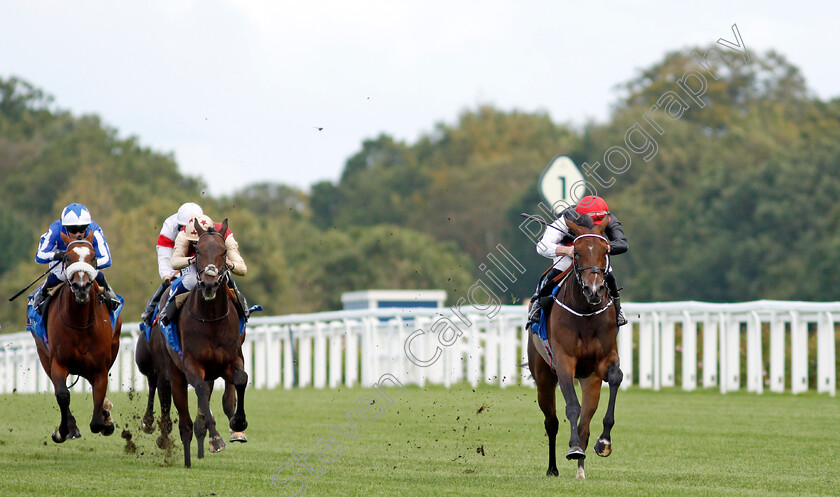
point(76, 223)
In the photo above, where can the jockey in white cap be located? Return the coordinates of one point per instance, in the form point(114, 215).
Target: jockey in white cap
point(165, 244)
point(183, 258)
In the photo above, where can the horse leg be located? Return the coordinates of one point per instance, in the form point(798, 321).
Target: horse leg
point(145, 363)
point(546, 386)
point(200, 426)
point(590, 389)
point(603, 447)
point(148, 422)
point(97, 422)
point(179, 396)
point(229, 406)
point(62, 396)
point(238, 423)
point(566, 380)
point(71, 425)
point(195, 375)
point(164, 389)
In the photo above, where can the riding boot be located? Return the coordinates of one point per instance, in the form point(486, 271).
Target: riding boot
point(241, 303)
point(620, 320)
point(40, 298)
point(149, 311)
point(109, 296)
point(536, 311)
point(168, 314)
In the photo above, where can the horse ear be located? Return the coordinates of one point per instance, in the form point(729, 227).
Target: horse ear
point(66, 239)
point(574, 228)
point(602, 228)
point(224, 227)
point(198, 228)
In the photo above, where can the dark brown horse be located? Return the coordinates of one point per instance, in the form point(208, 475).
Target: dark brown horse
point(582, 335)
point(208, 328)
point(151, 358)
point(81, 340)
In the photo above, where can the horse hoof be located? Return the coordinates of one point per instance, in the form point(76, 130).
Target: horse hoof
point(163, 442)
point(108, 430)
point(238, 436)
point(217, 444)
point(603, 447)
point(552, 472)
point(74, 435)
point(581, 475)
point(57, 438)
point(575, 453)
point(147, 427)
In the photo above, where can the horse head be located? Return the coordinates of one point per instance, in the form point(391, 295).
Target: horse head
point(211, 259)
point(590, 257)
point(80, 266)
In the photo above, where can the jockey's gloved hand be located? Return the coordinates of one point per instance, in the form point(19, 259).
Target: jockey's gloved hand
point(60, 256)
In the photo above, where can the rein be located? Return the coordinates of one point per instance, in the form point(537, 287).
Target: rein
point(203, 320)
point(211, 269)
point(592, 269)
point(71, 270)
point(579, 277)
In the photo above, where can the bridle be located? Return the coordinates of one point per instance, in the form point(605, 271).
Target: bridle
point(592, 269)
point(79, 266)
point(211, 269)
point(578, 270)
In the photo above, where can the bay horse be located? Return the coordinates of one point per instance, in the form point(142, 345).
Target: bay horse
point(211, 347)
point(81, 340)
point(150, 356)
point(582, 335)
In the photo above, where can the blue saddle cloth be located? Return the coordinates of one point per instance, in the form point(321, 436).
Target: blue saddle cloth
point(35, 322)
point(541, 328)
point(170, 331)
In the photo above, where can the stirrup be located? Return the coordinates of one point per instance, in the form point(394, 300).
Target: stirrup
point(146, 316)
point(620, 320)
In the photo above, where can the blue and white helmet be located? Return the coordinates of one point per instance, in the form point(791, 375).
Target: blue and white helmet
point(75, 215)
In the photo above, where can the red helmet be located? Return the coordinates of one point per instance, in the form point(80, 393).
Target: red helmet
point(594, 206)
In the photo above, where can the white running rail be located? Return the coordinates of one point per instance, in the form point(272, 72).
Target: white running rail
point(331, 349)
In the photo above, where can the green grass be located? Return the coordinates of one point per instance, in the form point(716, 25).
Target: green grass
point(664, 443)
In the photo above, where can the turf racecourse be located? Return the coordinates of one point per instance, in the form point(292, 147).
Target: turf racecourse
point(435, 441)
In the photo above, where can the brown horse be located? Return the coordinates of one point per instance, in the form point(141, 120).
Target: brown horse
point(81, 340)
point(582, 335)
point(208, 328)
point(151, 358)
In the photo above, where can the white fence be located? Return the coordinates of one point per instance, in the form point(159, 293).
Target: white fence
point(357, 347)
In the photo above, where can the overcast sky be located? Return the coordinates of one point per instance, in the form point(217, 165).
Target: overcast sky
point(243, 91)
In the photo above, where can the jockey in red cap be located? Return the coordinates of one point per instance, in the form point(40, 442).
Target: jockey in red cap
point(557, 244)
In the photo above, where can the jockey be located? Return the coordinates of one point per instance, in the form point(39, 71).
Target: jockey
point(183, 258)
point(76, 223)
point(557, 244)
point(165, 244)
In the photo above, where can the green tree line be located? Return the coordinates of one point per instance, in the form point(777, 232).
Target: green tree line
point(739, 202)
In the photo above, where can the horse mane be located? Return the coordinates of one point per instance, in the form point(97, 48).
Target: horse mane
point(579, 219)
